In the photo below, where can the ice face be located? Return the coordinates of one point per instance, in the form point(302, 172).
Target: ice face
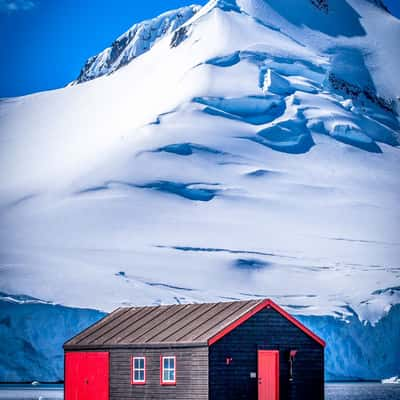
point(32, 334)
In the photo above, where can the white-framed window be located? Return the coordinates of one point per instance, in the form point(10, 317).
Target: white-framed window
point(168, 370)
point(138, 370)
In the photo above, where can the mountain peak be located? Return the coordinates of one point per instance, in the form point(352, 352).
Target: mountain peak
point(227, 5)
point(318, 15)
point(134, 42)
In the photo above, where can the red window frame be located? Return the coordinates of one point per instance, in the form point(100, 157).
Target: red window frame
point(167, 383)
point(133, 382)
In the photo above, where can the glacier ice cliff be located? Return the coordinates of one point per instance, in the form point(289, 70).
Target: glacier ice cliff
point(32, 333)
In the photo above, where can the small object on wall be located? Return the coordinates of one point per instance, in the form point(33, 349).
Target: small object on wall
point(253, 375)
point(292, 355)
point(228, 360)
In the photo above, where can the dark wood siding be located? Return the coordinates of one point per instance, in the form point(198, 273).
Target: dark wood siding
point(266, 330)
point(191, 374)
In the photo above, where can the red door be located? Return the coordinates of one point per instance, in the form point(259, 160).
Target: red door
point(268, 375)
point(86, 376)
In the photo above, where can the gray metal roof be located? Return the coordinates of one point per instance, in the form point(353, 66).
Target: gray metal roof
point(180, 324)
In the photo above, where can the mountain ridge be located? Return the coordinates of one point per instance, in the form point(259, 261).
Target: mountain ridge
point(131, 44)
point(135, 41)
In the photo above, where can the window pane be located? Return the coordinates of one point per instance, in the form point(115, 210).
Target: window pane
point(171, 375)
point(139, 363)
point(172, 363)
point(165, 375)
point(139, 375)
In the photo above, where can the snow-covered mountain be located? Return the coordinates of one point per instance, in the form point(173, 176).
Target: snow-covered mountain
point(134, 42)
point(251, 152)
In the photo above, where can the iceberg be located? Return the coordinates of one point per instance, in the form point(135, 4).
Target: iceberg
point(392, 380)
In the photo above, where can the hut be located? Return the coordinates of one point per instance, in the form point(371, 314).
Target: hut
point(250, 350)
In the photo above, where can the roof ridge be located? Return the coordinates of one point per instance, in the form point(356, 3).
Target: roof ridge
point(177, 324)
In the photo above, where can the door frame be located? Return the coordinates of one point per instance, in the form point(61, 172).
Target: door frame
point(275, 353)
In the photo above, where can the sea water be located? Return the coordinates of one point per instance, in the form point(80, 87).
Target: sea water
point(362, 391)
point(333, 391)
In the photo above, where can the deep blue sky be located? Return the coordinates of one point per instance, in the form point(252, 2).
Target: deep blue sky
point(394, 6)
point(44, 43)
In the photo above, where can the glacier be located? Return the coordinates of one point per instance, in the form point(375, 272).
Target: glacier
point(32, 333)
point(245, 150)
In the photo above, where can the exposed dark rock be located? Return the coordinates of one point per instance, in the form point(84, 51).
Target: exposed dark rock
point(179, 36)
point(322, 5)
point(362, 94)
